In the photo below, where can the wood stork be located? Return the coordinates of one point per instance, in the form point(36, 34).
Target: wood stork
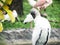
point(42, 28)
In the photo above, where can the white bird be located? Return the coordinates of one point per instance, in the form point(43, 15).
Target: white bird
point(6, 16)
point(42, 28)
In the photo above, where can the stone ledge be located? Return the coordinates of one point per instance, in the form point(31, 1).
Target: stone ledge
point(24, 42)
point(23, 37)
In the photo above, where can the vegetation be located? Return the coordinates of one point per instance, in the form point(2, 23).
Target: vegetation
point(5, 9)
point(52, 11)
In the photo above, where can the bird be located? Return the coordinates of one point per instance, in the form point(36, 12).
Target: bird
point(42, 28)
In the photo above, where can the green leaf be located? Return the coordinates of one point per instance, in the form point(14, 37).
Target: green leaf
point(1, 15)
point(1, 27)
point(11, 15)
point(5, 7)
point(8, 2)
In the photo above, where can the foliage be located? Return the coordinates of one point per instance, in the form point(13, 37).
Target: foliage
point(52, 11)
point(4, 7)
point(53, 14)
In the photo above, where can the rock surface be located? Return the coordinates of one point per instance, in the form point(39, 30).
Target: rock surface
point(23, 37)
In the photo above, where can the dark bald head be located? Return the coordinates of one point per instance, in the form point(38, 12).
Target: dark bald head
point(33, 14)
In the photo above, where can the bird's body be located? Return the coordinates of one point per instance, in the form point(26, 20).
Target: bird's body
point(42, 28)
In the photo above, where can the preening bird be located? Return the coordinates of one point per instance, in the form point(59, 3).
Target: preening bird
point(42, 27)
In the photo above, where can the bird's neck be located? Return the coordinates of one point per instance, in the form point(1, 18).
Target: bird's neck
point(37, 18)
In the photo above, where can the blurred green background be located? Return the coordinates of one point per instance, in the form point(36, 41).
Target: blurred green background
point(52, 11)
